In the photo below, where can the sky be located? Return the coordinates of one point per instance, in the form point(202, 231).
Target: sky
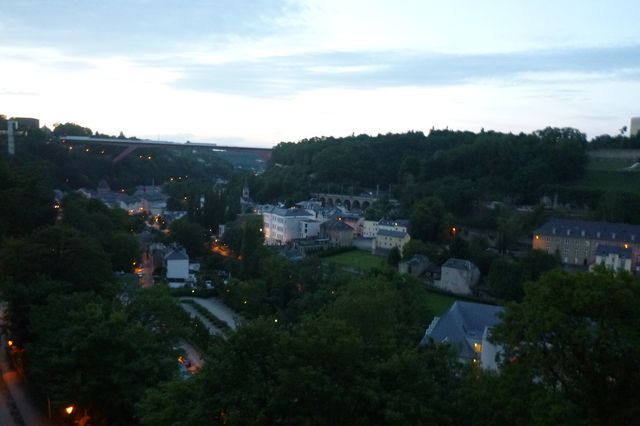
point(258, 72)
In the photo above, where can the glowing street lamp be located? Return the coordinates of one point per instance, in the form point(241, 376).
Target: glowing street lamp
point(69, 409)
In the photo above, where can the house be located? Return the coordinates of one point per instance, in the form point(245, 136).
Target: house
point(386, 234)
point(177, 262)
point(415, 266)
point(337, 232)
point(151, 199)
point(309, 228)
point(354, 220)
point(281, 225)
point(613, 257)
point(577, 241)
point(369, 228)
point(307, 246)
point(466, 326)
point(388, 240)
point(458, 276)
point(400, 225)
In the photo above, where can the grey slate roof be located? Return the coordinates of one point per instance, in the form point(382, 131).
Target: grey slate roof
point(177, 255)
point(395, 234)
point(463, 322)
point(280, 211)
point(335, 225)
point(605, 250)
point(465, 265)
point(619, 232)
point(394, 222)
point(418, 259)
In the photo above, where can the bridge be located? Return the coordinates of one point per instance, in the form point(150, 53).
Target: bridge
point(349, 201)
point(130, 145)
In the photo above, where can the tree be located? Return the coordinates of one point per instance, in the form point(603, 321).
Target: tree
point(124, 250)
point(190, 235)
point(506, 279)
point(394, 257)
point(428, 219)
point(71, 129)
point(577, 336)
point(94, 355)
point(60, 253)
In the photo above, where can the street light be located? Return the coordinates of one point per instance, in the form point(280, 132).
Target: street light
point(69, 409)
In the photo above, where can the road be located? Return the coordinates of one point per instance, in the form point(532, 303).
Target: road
point(193, 355)
point(16, 407)
point(219, 309)
point(146, 280)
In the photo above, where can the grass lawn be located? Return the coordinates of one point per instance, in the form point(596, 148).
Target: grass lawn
point(439, 303)
point(609, 180)
point(357, 259)
point(609, 164)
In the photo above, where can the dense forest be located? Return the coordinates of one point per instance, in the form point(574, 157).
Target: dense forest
point(487, 164)
point(462, 170)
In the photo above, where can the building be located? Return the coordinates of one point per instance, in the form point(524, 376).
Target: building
point(387, 234)
point(613, 257)
point(415, 266)
point(309, 228)
point(337, 232)
point(149, 199)
point(635, 126)
point(282, 225)
point(27, 122)
point(400, 225)
point(369, 228)
point(246, 203)
point(466, 327)
point(177, 262)
point(577, 241)
point(458, 276)
point(388, 240)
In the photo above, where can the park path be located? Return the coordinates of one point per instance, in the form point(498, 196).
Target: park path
point(193, 312)
point(219, 309)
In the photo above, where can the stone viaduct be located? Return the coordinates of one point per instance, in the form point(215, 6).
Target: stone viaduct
point(359, 202)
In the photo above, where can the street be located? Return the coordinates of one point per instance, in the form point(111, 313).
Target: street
point(16, 407)
point(146, 280)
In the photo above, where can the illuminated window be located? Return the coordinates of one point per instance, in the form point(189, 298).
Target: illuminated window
point(477, 347)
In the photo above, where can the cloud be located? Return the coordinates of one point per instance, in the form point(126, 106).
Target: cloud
point(287, 75)
point(130, 27)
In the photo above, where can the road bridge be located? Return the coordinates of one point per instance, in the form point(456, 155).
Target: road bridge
point(130, 145)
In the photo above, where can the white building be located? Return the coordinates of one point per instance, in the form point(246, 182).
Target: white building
point(614, 257)
point(309, 228)
point(282, 225)
point(458, 276)
point(388, 240)
point(177, 268)
point(635, 126)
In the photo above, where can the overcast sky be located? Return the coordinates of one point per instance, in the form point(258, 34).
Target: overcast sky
point(264, 71)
